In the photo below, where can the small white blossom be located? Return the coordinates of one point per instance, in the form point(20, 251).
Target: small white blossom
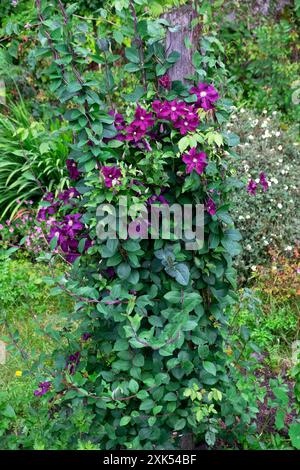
point(279, 205)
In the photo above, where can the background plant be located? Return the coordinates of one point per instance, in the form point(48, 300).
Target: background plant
point(32, 158)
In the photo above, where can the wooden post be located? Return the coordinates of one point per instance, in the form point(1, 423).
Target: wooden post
point(175, 41)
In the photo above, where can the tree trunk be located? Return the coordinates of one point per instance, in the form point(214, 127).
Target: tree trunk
point(175, 41)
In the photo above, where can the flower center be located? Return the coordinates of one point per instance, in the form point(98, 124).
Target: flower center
point(142, 118)
point(203, 94)
point(70, 223)
point(173, 108)
point(186, 123)
point(195, 160)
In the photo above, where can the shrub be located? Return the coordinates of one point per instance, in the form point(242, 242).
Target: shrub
point(263, 56)
point(266, 220)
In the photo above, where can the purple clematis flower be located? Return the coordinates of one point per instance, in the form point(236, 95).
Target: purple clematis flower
point(165, 82)
point(110, 272)
point(73, 361)
point(134, 132)
point(211, 206)
point(173, 110)
point(111, 174)
point(157, 107)
point(72, 225)
point(44, 387)
point(142, 119)
point(155, 198)
point(251, 188)
point(86, 336)
point(68, 194)
point(119, 121)
point(206, 95)
point(187, 124)
point(195, 161)
point(263, 181)
point(72, 168)
point(49, 197)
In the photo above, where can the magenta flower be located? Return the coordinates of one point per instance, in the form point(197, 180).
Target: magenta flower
point(49, 197)
point(86, 336)
point(44, 212)
point(211, 206)
point(73, 361)
point(134, 132)
point(173, 110)
point(157, 107)
point(110, 272)
point(44, 387)
point(195, 161)
point(68, 194)
point(206, 95)
point(111, 175)
point(165, 82)
point(155, 198)
point(72, 168)
point(143, 119)
point(72, 224)
point(187, 124)
point(263, 181)
point(251, 188)
point(119, 122)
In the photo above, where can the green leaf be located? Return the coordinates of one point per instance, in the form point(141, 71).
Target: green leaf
point(123, 270)
point(180, 424)
point(9, 412)
point(210, 367)
point(125, 420)
point(173, 57)
point(294, 434)
point(132, 54)
point(133, 386)
point(73, 87)
point(180, 272)
point(174, 297)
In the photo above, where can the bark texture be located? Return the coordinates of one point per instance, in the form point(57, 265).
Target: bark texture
point(181, 18)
